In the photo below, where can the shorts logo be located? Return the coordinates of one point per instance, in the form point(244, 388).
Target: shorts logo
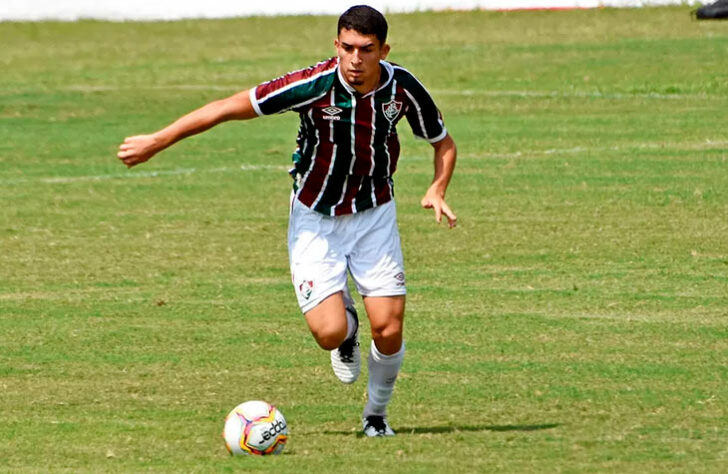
point(392, 109)
point(332, 113)
point(400, 279)
point(305, 289)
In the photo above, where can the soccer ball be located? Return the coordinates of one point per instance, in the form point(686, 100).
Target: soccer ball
point(256, 428)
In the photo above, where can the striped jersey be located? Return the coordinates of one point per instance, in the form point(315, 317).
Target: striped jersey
point(347, 145)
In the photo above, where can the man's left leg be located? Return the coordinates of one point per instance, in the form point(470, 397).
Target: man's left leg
point(386, 316)
point(377, 267)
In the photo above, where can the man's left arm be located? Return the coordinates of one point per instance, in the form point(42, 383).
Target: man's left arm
point(445, 157)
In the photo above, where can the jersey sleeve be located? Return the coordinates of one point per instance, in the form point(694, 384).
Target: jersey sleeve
point(422, 113)
point(293, 90)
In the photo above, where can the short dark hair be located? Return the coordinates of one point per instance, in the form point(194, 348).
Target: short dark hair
point(365, 20)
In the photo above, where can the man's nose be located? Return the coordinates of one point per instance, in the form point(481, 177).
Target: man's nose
point(355, 58)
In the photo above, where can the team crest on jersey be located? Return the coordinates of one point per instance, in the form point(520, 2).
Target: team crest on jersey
point(332, 113)
point(392, 109)
point(305, 289)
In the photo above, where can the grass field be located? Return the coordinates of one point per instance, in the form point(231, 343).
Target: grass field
point(575, 321)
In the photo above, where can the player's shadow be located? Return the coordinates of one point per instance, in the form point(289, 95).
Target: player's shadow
point(405, 430)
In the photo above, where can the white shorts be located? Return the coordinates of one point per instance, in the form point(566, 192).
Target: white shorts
point(322, 248)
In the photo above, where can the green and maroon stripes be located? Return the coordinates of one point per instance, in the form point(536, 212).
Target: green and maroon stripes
point(347, 143)
point(364, 128)
point(294, 89)
point(316, 166)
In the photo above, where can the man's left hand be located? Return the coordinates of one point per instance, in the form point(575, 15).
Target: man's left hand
point(434, 200)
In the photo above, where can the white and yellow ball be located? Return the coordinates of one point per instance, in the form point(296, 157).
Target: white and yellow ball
point(256, 428)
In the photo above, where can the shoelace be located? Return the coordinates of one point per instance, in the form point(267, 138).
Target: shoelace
point(346, 350)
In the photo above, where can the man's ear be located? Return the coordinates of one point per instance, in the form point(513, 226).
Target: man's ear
point(384, 51)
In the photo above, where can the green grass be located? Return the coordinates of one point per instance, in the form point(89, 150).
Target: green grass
point(575, 321)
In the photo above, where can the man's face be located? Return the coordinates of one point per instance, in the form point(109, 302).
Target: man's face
point(359, 57)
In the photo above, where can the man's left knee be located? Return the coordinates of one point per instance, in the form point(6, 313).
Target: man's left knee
point(387, 330)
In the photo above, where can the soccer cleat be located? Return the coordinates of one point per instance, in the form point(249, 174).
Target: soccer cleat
point(376, 426)
point(346, 360)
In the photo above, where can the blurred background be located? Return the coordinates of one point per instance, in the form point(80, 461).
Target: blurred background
point(178, 9)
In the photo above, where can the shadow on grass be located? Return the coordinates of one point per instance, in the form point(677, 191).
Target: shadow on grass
point(407, 430)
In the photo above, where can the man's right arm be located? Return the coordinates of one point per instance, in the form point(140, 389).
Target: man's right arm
point(140, 148)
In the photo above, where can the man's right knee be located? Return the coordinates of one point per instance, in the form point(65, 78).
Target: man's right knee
point(327, 322)
point(329, 338)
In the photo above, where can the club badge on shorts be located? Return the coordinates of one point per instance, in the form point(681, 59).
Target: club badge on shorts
point(391, 109)
point(305, 288)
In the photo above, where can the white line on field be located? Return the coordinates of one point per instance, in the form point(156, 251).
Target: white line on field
point(453, 92)
point(139, 174)
point(172, 87)
point(557, 94)
point(704, 145)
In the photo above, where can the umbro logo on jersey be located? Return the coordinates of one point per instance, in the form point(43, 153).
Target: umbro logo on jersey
point(332, 113)
point(392, 109)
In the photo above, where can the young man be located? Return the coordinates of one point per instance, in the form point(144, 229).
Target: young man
point(343, 217)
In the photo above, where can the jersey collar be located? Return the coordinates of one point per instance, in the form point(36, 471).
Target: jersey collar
point(387, 69)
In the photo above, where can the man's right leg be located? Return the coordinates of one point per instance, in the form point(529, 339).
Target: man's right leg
point(327, 322)
point(335, 327)
point(317, 253)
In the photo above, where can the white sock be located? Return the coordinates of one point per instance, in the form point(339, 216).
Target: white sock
point(350, 324)
point(350, 321)
point(348, 300)
point(383, 370)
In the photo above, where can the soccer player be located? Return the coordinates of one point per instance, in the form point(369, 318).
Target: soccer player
point(342, 218)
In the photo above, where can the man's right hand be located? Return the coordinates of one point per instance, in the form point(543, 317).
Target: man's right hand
point(138, 149)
